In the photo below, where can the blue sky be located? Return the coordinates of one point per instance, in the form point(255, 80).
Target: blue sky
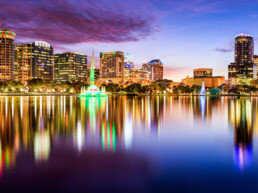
point(184, 34)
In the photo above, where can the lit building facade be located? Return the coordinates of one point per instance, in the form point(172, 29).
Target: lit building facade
point(209, 82)
point(71, 67)
point(140, 76)
point(42, 60)
point(244, 67)
point(34, 60)
point(7, 55)
point(22, 63)
point(128, 65)
point(155, 67)
point(112, 66)
point(202, 73)
point(256, 62)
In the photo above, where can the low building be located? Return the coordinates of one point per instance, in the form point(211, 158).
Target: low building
point(202, 72)
point(209, 82)
point(140, 76)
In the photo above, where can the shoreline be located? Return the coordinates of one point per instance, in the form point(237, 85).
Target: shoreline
point(77, 95)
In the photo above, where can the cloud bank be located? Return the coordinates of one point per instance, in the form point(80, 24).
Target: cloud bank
point(78, 21)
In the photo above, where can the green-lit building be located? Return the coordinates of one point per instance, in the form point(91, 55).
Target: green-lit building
point(71, 67)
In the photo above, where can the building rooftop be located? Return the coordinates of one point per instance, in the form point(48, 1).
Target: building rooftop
point(155, 61)
point(6, 31)
point(243, 35)
point(42, 44)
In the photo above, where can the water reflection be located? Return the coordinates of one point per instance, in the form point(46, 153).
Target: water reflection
point(34, 125)
point(241, 114)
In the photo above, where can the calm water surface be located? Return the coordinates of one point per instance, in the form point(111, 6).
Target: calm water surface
point(128, 144)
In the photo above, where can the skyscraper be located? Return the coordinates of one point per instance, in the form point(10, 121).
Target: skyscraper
point(244, 67)
point(71, 67)
point(37, 58)
point(155, 67)
point(112, 66)
point(22, 63)
point(42, 60)
point(128, 65)
point(7, 55)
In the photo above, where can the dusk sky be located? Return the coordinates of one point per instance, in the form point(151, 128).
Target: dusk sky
point(183, 34)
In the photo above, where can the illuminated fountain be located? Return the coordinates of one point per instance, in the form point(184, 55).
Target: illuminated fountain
point(203, 91)
point(93, 90)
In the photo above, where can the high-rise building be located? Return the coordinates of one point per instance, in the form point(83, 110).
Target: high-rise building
point(22, 63)
point(244, 67)
point(71, 67)
point(37, 58)
point(155, 67)
point(128, 65)
point(7, 55)
point(42, 59)
point(112, 66)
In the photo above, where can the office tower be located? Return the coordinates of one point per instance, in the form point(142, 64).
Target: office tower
point(71, 67)
point(42, 60)
point(202, 73)
point(155, 67)
point(128, 65)
point(40, 57)
point(112, 66)
point(7, 55)
point(244, 66)
point(22, 63)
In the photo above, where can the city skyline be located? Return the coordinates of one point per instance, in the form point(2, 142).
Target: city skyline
point(184, 35)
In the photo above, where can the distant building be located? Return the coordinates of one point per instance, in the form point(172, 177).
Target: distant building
point(244, 68)
point(140, 76)
point(96, 74)
point(202, 73)
point(112, 66)
point(22, 63)
point(155, 67)
point(7, 55)
point(128, 65)
point(256, 62)
point(210, 82)
point(71, 67)
point(34, 60)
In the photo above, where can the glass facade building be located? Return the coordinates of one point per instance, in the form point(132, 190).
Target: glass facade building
point(71, 67)
point(34, 60)
point(128, 65)
point(7, 55)
point(244, 66)
point(155, 67)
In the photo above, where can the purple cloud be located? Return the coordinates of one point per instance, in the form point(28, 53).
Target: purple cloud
point(223, 50)
point(77, 21)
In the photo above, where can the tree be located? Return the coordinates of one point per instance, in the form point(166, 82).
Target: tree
point(215, 91)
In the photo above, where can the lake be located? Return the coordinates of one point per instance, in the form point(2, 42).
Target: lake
point(128, 144)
